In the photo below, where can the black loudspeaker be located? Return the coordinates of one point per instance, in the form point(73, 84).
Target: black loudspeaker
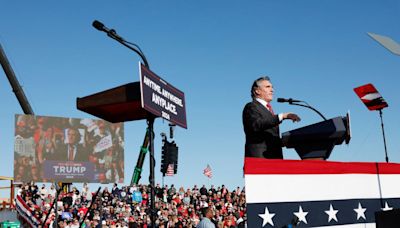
point(387, 219)
point(169, 155)
point(164, 157)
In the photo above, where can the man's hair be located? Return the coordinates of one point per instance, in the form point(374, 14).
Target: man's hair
point(78, 133)
point(205, 210)
point(256, 85)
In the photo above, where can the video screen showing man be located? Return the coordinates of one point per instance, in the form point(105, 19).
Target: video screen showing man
point(68, 149)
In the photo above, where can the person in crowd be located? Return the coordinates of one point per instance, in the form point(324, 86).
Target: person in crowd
point(203, 190)
point(206, 222)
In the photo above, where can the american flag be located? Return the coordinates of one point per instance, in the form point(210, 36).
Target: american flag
point(170, 170)
point(319, 193)
point(25, 212)
point(207, 171)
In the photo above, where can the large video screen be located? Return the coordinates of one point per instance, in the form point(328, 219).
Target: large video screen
point(48, 149)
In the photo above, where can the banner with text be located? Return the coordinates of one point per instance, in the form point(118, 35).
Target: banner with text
point(161, 98)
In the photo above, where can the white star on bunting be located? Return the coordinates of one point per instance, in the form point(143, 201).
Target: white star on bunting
point(301, 215)
point(360, 211)
point(332, 213)
point(267, 217)
point(387, 208)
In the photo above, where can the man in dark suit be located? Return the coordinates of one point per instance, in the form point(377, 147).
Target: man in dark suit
point(261, 124)
point(73, 151)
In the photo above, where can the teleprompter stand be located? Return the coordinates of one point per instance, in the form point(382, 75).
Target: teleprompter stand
point(123, 103)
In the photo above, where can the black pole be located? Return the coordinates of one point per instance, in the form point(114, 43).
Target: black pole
point(16, 87)
point(51, 207)
point(383, 133)
point(150, 123)
point(90, 208)
point(379, 184)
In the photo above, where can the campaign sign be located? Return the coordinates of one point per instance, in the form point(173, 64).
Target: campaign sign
point(370, 96)
point(137, 196)
point(161, 98)
point(66, 215)
point(103, 144)
point(71, 171)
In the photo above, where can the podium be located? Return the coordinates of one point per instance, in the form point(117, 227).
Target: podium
point(119, 104)
point(317, 141)
point(321, 193)
point(387, 219)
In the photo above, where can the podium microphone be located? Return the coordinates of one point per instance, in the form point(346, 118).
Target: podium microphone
point(295, 102)
point(100, 26)
point(290, 100)
point(110, 32)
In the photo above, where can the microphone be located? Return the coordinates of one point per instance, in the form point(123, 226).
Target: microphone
point(100, 26)
point(110, 32)
point(290, 100)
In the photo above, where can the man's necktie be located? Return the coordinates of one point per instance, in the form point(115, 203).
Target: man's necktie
point(71, 153)
point(269, 107)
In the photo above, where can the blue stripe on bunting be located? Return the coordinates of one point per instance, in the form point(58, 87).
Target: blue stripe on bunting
point(316, 215)
point(25, 215)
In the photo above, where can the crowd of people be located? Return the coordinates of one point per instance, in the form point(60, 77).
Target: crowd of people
point(129, 206)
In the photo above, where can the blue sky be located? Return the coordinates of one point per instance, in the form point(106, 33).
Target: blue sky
point(313, 50)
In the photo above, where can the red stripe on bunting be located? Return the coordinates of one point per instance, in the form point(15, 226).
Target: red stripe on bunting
point(278, 166)
point(22, 202)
